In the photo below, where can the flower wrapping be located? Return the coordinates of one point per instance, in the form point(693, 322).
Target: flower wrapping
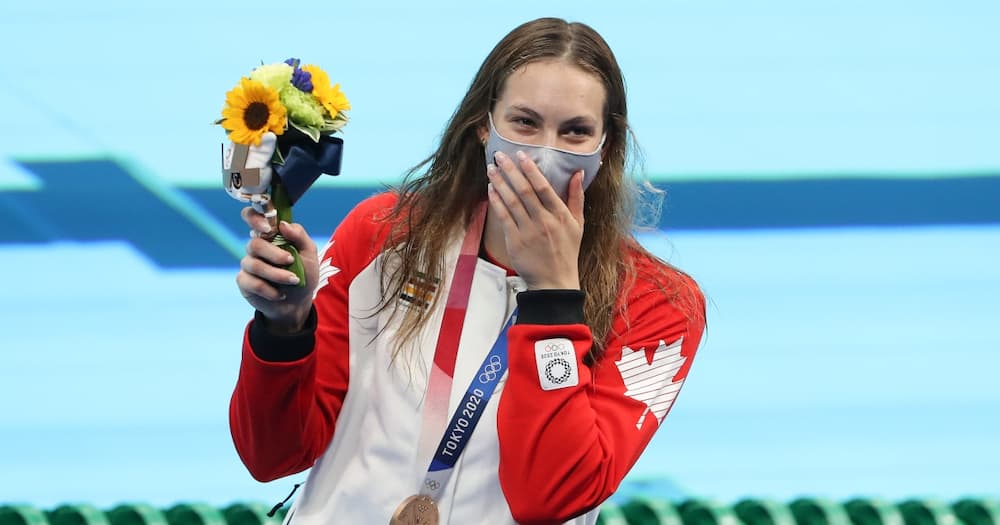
point(280, 120)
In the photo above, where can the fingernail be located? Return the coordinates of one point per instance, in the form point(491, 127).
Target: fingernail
point(293, 279)
point(498, 157)
point(491, 170)
point(267, 228)
point(520, 155)
point(289, 259)
point(489, 188)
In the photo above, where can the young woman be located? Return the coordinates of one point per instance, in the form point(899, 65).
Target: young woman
point(488, 343)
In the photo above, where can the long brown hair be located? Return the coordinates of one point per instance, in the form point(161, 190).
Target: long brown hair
point(435, 205)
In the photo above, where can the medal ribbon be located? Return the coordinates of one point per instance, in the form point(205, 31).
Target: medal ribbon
point(442, 373)
point(467, 415)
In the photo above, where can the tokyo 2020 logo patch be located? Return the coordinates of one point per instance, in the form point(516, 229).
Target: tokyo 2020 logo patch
point(558, 371)
point(557, 363)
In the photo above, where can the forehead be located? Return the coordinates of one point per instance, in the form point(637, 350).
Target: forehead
point(554, 88)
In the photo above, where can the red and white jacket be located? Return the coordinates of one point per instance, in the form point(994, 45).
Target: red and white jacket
point(334, 399)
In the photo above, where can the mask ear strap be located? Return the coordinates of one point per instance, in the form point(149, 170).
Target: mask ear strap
point(489, 126)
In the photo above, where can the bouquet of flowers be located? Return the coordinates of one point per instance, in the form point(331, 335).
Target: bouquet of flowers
point(281, 120)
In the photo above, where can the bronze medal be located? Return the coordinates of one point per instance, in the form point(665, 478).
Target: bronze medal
point(415, 510)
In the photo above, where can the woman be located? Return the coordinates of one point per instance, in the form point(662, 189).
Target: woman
point(401, 372)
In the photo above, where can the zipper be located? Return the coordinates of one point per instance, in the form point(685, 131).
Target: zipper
point(515, 285)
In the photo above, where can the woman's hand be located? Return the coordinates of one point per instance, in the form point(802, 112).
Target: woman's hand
point(542, 233)
point(267, 285)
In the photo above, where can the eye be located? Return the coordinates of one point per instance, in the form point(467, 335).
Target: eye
point(580, 131)
point(523, 122)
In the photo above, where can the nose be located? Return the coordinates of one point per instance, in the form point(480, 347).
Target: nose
point(550, 138)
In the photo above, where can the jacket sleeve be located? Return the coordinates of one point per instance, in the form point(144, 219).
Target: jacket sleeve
point(291, 388)
point(565, 448)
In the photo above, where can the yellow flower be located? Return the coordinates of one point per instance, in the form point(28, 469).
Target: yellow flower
point(330, 96)
point(252, 109)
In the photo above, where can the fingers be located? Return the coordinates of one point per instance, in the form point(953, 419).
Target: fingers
point(524, 189)
point(261, 270)
point(268, 252)
point(256, 220)
point(514, 189)
point(297, 235)
point(507, 198)
point(541, 189)
point(575, 200)
point(266, 269)
point(573, 205)
point(500, 210)
point(294, 233)
point(251, 285)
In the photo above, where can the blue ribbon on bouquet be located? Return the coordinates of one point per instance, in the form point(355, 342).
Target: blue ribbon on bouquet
point(305, 162)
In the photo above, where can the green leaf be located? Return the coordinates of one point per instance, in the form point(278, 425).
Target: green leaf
point(308, 130)
point(334, 124)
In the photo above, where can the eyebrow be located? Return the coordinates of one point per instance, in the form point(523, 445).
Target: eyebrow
point(580, 120)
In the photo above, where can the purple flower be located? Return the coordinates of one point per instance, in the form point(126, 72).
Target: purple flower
point(300, 79)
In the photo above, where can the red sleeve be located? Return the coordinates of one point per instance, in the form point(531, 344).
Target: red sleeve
point(563, 451)
point(290, 389)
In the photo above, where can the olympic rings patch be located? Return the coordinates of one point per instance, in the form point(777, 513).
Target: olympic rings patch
point(490, 370)
point(554, 346)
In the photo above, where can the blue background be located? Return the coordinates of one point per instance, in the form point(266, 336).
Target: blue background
point(833, 179)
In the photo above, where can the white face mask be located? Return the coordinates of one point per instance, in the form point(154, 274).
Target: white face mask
point(557, 165)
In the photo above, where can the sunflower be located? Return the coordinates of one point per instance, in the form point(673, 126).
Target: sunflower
point(330, 96)
point(252, 109)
